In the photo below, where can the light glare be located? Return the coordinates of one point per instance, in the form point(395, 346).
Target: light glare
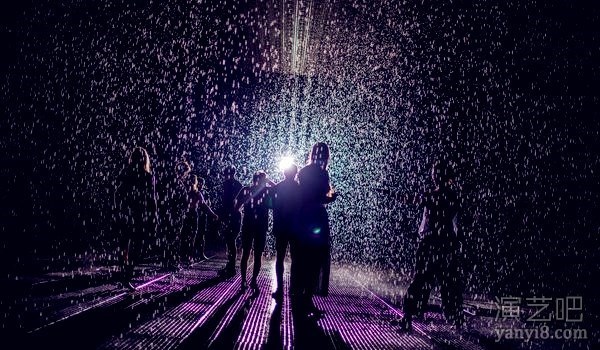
point(285, 163)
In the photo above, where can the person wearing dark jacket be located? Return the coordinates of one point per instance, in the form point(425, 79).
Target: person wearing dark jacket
point(255, 223)
point(314, 233)
point(135, 203)
point(285, 199)
point(438, 252)
point(189, 229)
point(176, 202)
point(230, 217)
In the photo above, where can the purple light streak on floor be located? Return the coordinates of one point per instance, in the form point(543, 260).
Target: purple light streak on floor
point(171, 328)
point(81, 310)
point(227, 319)
point(363, 322)
point(160, 278)
point(84, 306)
point(256, 325)
point(194, 309)
point(439, 331)
point(78, 302)
point(286, 329)
point(416, 326)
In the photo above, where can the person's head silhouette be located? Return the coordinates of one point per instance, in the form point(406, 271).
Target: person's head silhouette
point(139, 159)
point(259, 178)
point(229, 172)
point(441, 173)
point(182, 169)
point(290, 172)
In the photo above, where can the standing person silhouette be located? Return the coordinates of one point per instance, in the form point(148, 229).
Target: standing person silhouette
point(205, 210)
point(285, 197)
point(135, 201)
point(177, 203)
point(255, 223)
point(189, 229)
point(314, 233)
point(230, 217)
point(438, 252)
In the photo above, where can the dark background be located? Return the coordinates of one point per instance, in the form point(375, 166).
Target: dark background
point(508, 90)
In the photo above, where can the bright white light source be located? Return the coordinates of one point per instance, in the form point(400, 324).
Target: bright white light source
point(285, 163)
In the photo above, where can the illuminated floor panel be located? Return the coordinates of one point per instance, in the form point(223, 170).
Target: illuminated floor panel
point(196, 309)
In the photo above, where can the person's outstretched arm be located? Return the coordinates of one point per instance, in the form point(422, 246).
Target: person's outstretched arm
point(205, 207)
point(242, 197)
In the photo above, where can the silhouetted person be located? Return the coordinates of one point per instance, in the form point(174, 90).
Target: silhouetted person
point(314, 233)
point(438, 252)
point(176, 197)
point(255, 202)
point(189, 229)
point(135, 201)
point(231, 218)
point(204, 214)
point(285, 197)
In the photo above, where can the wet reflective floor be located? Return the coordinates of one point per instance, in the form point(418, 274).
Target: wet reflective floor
point(195, 308)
